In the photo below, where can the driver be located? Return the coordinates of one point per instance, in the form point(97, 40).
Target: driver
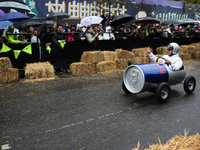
point(172, 58)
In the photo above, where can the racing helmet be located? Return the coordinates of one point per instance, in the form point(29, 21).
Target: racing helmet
point(175, 47)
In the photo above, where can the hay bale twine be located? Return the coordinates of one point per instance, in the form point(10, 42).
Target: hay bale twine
point(141, 52)
point(5, 63)
point(106, 66)
point(121, 63)
point(9, 75)
point(92, 57)
point(81, 68)
point(109, 55)
point(124, 54)
point(39, 70)
point(162, 50)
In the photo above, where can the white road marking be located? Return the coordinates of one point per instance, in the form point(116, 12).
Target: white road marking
point(70, 125)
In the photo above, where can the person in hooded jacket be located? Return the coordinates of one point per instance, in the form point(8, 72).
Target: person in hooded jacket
point(121, 34)
point(108, 35)
point(46, 38)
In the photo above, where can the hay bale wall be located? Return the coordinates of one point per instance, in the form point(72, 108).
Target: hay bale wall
point(92, 57)
point(141, 52)
point(5, 63)
point(9, 75)
point(81, 68)
point(106, 66)
point(39, 70)
point(162, 50)
point(124, 54)
point(121, 63)
point(109, 55)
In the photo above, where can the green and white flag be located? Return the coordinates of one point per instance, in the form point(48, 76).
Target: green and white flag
point(16, 53)
point(28, 49)
point(62, 43)
point(4, 48)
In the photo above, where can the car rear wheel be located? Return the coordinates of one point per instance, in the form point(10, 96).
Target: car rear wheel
point(189, 84)
point(162, 92)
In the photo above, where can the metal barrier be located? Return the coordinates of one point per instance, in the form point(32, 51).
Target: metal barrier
point(72, 51)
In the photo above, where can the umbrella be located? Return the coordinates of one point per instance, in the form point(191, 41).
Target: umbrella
point(91, 20)
point(2, 13)
point(171, 22)
point(123, 18)
point(5, 24)
point(188, 21)
point(57, 16)
point(14, 17)
point(48, 22)
point(31, 23)
point(146, 20)
point(6, 5)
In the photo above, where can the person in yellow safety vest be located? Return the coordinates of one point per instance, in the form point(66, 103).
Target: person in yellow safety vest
point(12, 38)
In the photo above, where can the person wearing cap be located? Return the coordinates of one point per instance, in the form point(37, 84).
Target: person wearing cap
point(73, 28)
point(79, 35)
point(172, 58)
point(66, 25)
point(12, 38)
point(121, 34)
point(108, 35)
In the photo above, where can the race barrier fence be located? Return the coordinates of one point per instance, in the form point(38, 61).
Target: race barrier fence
point(21, 54)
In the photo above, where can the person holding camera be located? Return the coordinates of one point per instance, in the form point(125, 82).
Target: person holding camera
point(90, 36)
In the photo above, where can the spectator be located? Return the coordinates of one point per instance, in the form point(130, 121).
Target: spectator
point(69, 35)
point(100, 36)
point(176, 33)
point(150, 32)
point(46, 38)
point(187, 31)
point(66, 25)
point(79, 34)
point(162, 32)
point(12, 38)
point(142, 32)
point(108, 35)
point(90, 35)
point(34, 38)
point(121, 34)
point(100, 27)
point(96, 30)
point(22, 37)
point(28, 36)
point(2, 37)
point(169, 31)
point(105, 18)
point(133, 32)
point(73, 28)
point(58, 36)
point(54, 28)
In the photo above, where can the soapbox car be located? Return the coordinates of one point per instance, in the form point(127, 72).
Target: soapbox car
point(155, 77)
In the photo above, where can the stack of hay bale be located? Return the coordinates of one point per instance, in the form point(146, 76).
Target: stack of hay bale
point(7, 73)
point(39, 70)
point(196, 53)
point(141, 56)
point(187, 52)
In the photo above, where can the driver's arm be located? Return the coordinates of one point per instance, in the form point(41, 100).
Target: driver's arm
point(176, 65)
point(153, 57)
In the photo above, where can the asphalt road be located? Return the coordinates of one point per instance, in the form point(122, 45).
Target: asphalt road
point(92, 112)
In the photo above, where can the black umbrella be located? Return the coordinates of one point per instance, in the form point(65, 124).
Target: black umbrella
point(171, 22)
point(57, 16)
point(188, 21)
point(31, 23)
point(48, 22)
point(123, 18)
point(145, 20)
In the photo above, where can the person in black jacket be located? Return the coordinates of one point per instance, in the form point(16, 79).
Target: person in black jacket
point(46, 38)
point(79, 35)
point(121, 34)
point(105, 18)
point(58, 36)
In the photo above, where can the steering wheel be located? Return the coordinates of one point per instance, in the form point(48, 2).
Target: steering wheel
point(163, 59)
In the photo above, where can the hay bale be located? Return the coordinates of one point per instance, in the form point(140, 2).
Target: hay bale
point(9, 75)
point(109, 55)
point(197, 55)
point(39, 70)
point(5, 63)
point(185, 56)
point(141, 52)
point(106, 66)
point(81, 68)
point(138, 60)
point(181, 142)
point(162, 50)
point(124, 54)
point(187, 49)
point(196, 45)
point(92, 57)
point(121, 63)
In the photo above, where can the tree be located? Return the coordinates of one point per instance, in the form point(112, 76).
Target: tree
point(191, 5)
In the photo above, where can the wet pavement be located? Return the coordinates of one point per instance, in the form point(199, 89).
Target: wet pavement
point(92, 112)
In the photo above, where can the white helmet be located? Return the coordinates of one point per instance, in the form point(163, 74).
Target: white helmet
point(175, 47)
